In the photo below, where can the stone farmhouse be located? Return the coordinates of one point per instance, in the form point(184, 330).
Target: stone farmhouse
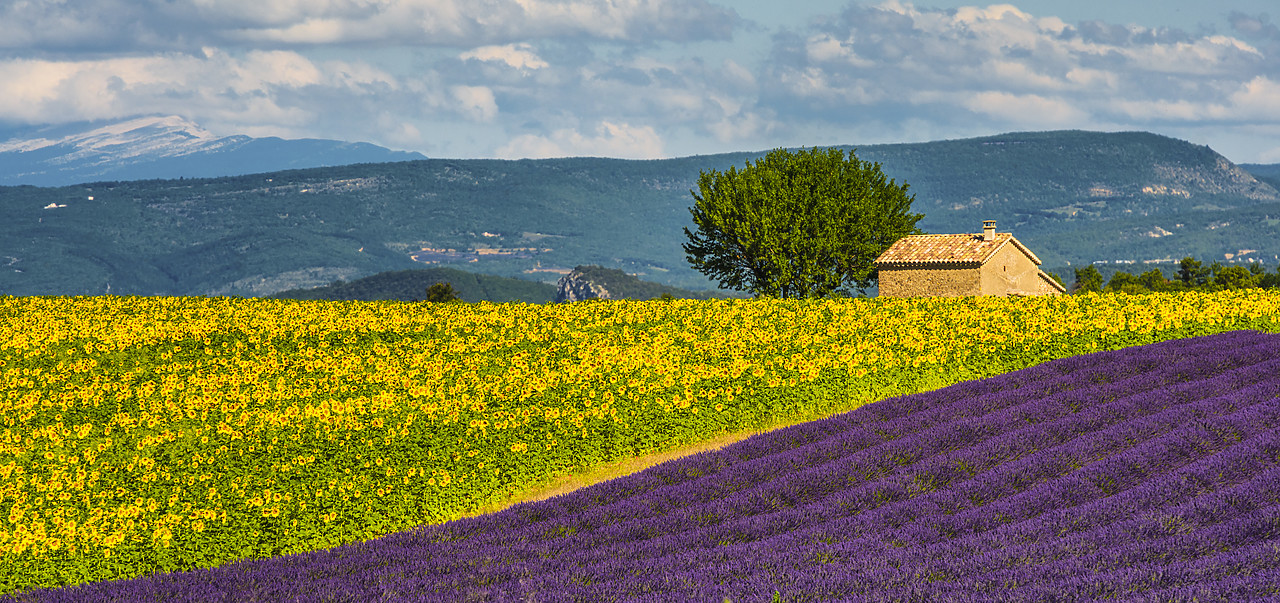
point(991, 263)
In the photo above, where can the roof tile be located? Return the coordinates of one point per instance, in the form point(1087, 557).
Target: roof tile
point(949, 249)
point(943, 249)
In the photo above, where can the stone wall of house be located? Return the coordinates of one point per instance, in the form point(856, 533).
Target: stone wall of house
point(945, 282)
point(1011, 272)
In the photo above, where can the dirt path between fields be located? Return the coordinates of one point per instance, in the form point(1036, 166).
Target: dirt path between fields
point(568, 483)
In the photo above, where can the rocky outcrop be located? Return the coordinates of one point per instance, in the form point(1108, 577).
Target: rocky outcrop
point(577, 286)
point(1220, 178)
point(266, 284)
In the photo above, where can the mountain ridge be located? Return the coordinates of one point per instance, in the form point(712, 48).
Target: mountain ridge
point(1073, 197)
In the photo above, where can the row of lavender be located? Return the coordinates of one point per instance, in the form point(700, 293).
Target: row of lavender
point(1144, 474)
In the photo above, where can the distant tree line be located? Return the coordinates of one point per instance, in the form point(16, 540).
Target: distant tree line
point(1192, 276)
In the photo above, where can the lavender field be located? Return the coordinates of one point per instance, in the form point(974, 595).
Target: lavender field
point(1144, 474)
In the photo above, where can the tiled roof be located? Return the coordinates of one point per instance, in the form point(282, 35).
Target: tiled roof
point(949, 249)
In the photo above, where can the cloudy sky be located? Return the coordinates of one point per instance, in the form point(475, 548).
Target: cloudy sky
point(651, 78)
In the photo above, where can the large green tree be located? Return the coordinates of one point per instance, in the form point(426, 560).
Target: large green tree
point(802, 224)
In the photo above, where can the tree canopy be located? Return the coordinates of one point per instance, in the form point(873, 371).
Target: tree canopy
point(1088, 279)
point(802, 224)
point(442, 293)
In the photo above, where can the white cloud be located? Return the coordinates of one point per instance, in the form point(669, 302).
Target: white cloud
point(741, 126)
point(476, 102)
point(824, 48)
point(520, 56)
point(357, 75)
point(30, 86)
point(52, 91)
point(262, 69)
point(399, 132)
point(1167, 110)
point(736, 75)
point(1028, 109)
point(1098, 80)
point(995, 12)
point(609, 140)
point(260, 92)
point(1051, 25)
point(1258, 100)
point(1204, 56)
point(1021, 75)
point(309, 31)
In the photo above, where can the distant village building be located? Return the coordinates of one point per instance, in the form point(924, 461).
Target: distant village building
point(991, 263)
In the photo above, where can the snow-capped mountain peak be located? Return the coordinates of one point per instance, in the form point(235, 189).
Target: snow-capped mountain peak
point(163, 146)
point(165, 136)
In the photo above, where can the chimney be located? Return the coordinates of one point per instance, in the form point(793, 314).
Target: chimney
point(988, 230)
